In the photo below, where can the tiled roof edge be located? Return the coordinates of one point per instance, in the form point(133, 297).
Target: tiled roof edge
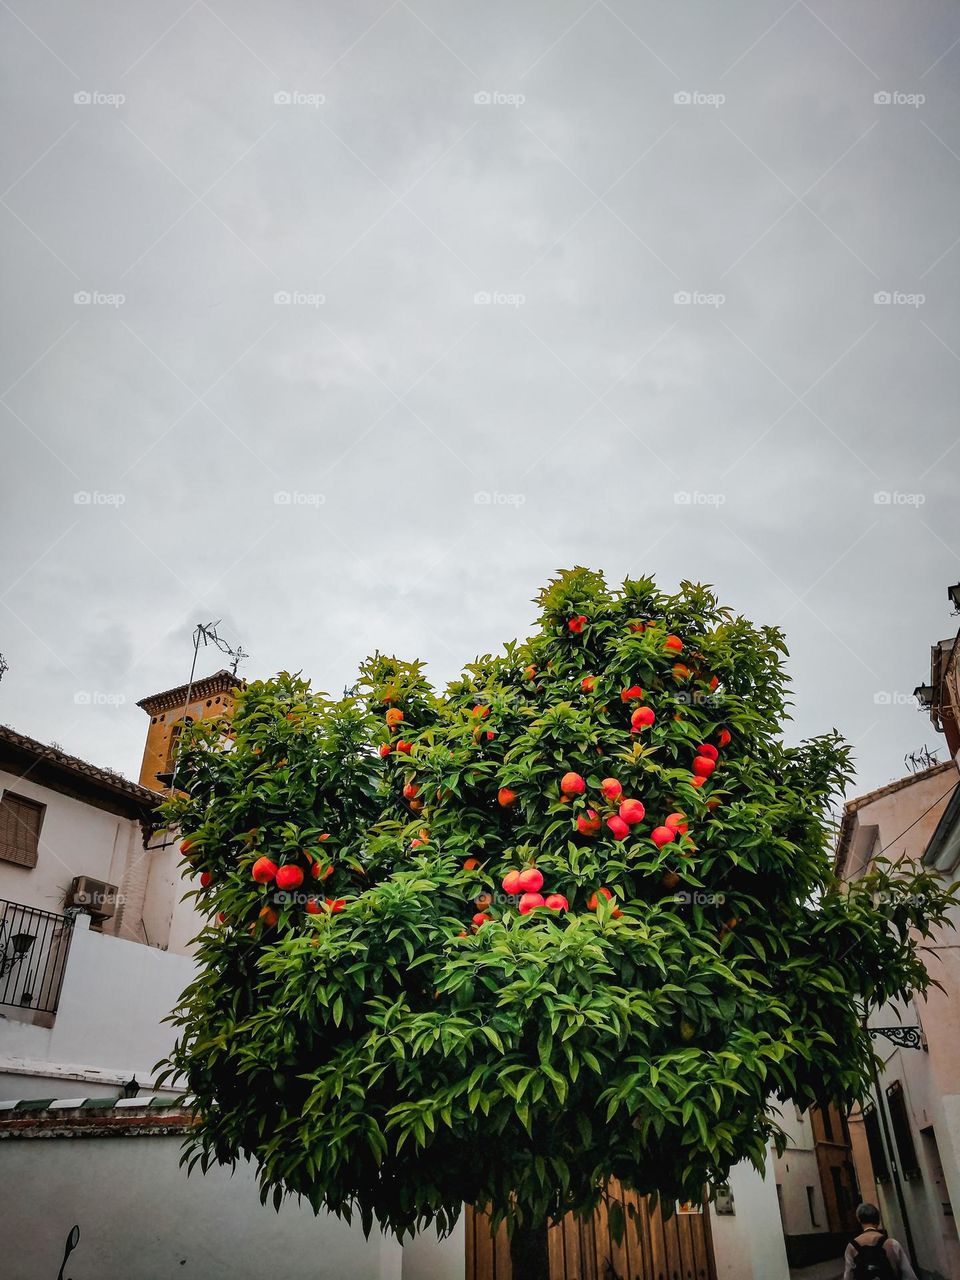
point(857, 802)
point(218, 682)
point(105, 778)
point(95, 1117)
point(59, 1104)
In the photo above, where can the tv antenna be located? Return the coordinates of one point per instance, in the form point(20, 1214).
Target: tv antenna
point(916, 761)
point(207, 632)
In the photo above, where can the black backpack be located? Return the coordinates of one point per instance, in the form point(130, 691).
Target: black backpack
point(871, 1261)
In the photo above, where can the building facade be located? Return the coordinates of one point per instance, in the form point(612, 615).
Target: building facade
point(906, 1140)
point(817, 1187)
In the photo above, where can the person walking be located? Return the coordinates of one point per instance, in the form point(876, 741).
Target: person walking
point(873, 1255)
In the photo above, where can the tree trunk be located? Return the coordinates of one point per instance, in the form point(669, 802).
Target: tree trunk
point(529, 1258)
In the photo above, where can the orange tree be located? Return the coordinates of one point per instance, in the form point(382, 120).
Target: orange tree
point(572, 919)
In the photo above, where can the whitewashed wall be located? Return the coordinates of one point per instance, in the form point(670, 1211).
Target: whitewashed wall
point(142, 1218)
point(114, 999)
point(749, 1245)
point(139, 1213)
point(168, 921)
point(796, 1170)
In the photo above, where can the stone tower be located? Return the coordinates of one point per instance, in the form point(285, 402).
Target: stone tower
point(210, 697)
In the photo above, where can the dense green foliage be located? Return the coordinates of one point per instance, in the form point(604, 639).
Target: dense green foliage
point(393, 1059)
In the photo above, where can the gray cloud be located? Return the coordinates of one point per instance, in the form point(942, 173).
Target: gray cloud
point(740, 437)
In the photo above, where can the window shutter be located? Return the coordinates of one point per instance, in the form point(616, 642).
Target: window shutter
point(902, 1133)
point(878, 1156)
point(20, 822)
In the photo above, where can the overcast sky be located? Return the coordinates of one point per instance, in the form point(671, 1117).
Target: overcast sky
point(567, 282)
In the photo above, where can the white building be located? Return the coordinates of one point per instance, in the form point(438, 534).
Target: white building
point(907, 1139)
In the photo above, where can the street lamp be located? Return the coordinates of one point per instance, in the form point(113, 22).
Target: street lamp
point(953, 594)
point(15, 951)
point(924, 695)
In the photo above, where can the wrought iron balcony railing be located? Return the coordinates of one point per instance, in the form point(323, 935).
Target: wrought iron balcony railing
point(33, 956)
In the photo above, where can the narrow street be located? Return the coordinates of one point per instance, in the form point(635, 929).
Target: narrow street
point(820, 1271)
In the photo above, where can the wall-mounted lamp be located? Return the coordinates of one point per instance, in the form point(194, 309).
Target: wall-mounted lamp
point(924, 695)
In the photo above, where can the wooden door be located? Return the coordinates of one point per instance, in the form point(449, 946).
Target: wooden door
point(680, 1249)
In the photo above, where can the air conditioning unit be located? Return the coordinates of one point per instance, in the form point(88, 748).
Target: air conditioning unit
point(94, 896)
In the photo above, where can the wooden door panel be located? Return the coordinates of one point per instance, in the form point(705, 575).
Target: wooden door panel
point(679, 1249)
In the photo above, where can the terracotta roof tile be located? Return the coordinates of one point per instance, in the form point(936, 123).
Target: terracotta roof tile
point(19, 746)
point(219, 682)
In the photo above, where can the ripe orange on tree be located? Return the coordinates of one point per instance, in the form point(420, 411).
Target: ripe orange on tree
point(588, 823)
point(289, 876)
point(632, 811)
point(642, 718)
point(263, 870)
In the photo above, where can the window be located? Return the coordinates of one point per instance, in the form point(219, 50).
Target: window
point(878, 1156)
point(20, 823)
point(810, 1206)
point(902, 1133)
point(840, 1193)
point(827, 1120)
point(173, 747)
